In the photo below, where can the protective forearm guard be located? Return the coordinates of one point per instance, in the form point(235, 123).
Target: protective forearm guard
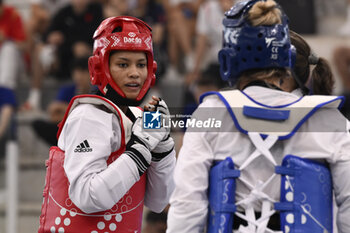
point(306, 196)
point(222, 187)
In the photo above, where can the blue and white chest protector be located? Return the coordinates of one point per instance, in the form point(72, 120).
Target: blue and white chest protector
point(306, 186)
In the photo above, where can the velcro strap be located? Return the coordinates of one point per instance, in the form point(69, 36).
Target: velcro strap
point(229, 208)
point(266, 114)
point(284, 206)
point(231, 174)
point(284, 171)
point(224, 208)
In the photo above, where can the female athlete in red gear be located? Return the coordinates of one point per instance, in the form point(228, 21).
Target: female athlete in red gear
point(106, 165)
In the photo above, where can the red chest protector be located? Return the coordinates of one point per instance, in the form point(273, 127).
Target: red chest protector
point(60, 215)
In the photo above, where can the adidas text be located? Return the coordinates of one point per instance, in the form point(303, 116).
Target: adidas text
point(83, 150)
point(83, 147)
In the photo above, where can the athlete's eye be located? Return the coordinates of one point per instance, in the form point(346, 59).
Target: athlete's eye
point(122, 65)
point(141, 65)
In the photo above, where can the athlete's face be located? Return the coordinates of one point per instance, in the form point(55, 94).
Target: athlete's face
point(129, 71)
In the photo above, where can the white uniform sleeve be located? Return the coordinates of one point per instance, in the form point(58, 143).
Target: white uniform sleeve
point(160, 183)
point(94, 186)
point(189, 201)
point(341, 183)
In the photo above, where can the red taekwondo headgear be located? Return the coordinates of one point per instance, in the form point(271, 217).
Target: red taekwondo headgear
point(120, 33)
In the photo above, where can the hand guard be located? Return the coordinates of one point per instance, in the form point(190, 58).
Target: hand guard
point(162, 107)
point(163, 148)
point(149, 137)
point(166, 145)
point(139, 153)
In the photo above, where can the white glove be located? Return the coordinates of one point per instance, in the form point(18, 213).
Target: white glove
point(150, 137)
point(165, 146)
point(162, 107)
point(143, 141)
point(157, 104)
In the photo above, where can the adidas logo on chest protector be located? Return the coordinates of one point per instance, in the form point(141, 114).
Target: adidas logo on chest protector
point(83, 147)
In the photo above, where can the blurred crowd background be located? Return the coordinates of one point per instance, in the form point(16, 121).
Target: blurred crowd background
point(45, 45)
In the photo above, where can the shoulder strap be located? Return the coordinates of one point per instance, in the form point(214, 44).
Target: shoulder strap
point(249, 115)
point(125, 122)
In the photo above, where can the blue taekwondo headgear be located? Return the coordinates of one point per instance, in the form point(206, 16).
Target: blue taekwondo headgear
point(246, 47)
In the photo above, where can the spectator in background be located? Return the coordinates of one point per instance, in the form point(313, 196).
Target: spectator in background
point(112, 8)
point(69, 35)
point(41, 12)
point(208, 36)
point(71, 31)
point(341, 58)
point(344, 30)
point(181, 20)
point(47, 129)
point(302, 14)
point(153, 14)
point(7, 110)
point(208, 80)
point(11, 26)
point(12, 45)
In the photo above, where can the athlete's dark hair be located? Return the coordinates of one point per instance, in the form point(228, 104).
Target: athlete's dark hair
point(321, 81)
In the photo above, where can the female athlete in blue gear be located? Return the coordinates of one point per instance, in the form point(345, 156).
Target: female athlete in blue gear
point(284, 153)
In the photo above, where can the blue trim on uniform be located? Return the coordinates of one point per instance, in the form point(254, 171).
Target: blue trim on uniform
point(228, 107)
point(266, 114)
point(201, 97)
point(268, 106)
point(286, 105)
point(307, 116)
point(342, 101)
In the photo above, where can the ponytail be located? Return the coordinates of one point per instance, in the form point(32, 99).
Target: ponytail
point(322, 79)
